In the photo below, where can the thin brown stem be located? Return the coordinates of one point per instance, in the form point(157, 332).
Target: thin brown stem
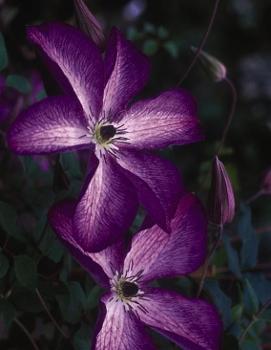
point(27, 333)
point(202, 43)
point(231, 114)
point(50, 315)
point(254, 319)
point(254, 197)
point(209, 259)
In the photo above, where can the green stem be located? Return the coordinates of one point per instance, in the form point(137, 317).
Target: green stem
point(209, 259)
point(231, 114)
point(49, 314)
point(26, 332)
point(254, 319)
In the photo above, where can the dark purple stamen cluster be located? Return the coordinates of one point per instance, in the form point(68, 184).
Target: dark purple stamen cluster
point(107, 132)
point(129, 289)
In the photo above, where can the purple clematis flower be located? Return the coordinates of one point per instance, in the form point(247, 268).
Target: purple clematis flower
point(131, 303)
point(94, 114)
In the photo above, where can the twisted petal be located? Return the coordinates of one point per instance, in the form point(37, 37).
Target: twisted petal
point(159, 254)
point(121, 330)
point(76, 58)
point(106, 209)
point(157, 182)
point(54, 124)
point(127, 71)
point(170, 118)
point(101, 265)
point(193, 324)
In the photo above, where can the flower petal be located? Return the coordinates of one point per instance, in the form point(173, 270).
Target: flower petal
point(169, 119)
point(52, 125)
point(159, 254)
point(77, 58)
point(193, 324)
point(121, 330)
point(106, 209)
point(127, 71)
point(157, 182)
point(102, 265)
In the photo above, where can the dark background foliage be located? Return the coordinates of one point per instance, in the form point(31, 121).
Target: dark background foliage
point(40, 284)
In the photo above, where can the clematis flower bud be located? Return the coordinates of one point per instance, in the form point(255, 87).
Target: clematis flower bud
point(221, 196)
point(266, 184)
point(89, 24)
point(214, 68)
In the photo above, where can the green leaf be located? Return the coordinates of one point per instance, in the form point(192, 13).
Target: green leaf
point(149, 28)
point(162, 32)
point(221, 300)
point(81, 338)
point(249, 249)
point(51, 247)
point(150, 47)
point(71, 165)
point(19, 83)
point(7, 312)
point(8, 220)
point(73, 303)
point(26, 271)
point(171, 47)
point(237, 312)
point(230, 342)
point(3, 53)
point(93, 298)
point(26, 300)
point(250, 344)
point(233, 259)
point(261, 286)
point(4, 265)
point(250, 298)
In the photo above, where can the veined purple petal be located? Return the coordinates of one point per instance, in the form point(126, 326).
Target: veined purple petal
point(127, 71)
point(54, 124)
point(121, 330)
point(193, 324)
point(77, 58)
point(160, 254)
point(106, 209)
point(102, 265)
point(157, 181)
point(169, 119)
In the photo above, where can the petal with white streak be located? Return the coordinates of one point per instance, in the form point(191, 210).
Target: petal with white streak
point(76, 58)
point(169, 119)
point(159, 254)
point(193, 324)
point(121, 330)
point(127, 71)
point(106, 209)
point(157, 181)
point(52, 125)
point(103, 265)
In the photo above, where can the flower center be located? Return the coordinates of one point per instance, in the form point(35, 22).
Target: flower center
point(104, 133)
point(129, 289)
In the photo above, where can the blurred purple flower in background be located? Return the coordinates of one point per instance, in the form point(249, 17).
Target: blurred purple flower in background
point(131, 304)
point(221, 197)
point(94, 115)
point(266, 183)
point(134, 9)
